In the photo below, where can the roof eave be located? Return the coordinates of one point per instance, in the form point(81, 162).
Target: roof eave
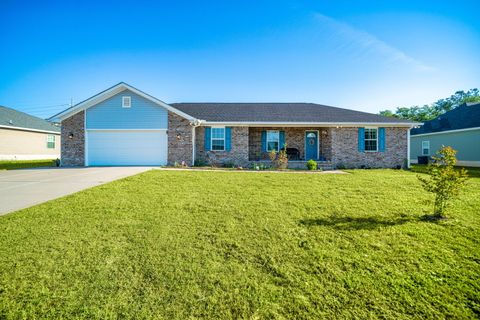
point(28, 129)
point(303, 124)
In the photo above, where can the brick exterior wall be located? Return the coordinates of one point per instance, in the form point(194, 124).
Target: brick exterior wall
point(180, 147)
point(338, 145)
point(238, 155)
point(294, 138)
point(345, 149)
point(73, 150)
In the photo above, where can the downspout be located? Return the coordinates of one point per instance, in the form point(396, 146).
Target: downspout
point(408, 147)
point(196, 123)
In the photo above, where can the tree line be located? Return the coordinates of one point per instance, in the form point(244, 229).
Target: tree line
point(431, 111)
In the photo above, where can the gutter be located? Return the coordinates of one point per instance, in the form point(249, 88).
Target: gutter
point(303, 124)
point(29, 129)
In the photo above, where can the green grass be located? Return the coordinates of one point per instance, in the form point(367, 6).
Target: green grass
point(220, 245)
point(422, 168)
point(23, 164)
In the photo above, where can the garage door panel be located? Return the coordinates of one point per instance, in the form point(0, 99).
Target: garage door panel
point(126, 147)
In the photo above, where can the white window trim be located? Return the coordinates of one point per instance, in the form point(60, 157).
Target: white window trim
point(211, 138)
point(125, 98)
point(428, 147)
point(365, 140)
point(53, 140)
point(278, 140)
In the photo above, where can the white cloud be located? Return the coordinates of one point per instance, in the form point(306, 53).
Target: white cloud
point(363, 42)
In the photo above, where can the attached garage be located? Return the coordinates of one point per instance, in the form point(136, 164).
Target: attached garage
point(126, 147)
point(123, 126)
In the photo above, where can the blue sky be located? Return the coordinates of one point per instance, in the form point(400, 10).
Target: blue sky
point(363, 55)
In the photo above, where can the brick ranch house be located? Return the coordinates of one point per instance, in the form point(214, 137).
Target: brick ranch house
point(125, 126)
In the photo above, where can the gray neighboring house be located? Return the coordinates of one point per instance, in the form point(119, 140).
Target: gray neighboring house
point(125, 126)
point(25, 137)
point(458, 128)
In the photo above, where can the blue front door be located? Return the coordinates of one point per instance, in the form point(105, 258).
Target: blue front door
point(311, 145)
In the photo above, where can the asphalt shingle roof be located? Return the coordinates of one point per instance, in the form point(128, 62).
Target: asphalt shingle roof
point(278, 112)
point(463, 117)
point(13, 118)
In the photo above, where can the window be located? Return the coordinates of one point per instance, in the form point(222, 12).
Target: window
point(273, 140)
point(126, 102)
point(50, 141)
point(371, 139)
point(426, 148)
point(218, 138)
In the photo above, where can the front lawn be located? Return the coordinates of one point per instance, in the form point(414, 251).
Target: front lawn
point(23, 164)
point(472, 171)
point(183, 244)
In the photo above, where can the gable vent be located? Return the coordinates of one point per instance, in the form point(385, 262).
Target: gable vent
point(126, 102)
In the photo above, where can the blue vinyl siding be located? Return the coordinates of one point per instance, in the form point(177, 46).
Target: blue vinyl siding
point(143, 114)
point(467, 143)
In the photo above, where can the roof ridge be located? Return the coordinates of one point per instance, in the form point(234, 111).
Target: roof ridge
point(27, 114)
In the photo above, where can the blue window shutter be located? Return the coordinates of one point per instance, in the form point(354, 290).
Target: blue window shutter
point(264, 141)
point(282, 139)
point(228, 138)
point(208, 138)
point(381, 139)
point(361, 139)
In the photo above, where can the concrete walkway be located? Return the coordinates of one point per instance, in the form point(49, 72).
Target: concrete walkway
point(24, 188)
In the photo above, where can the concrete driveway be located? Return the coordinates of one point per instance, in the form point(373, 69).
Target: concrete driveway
point(24, 188)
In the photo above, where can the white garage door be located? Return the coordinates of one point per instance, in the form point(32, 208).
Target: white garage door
point(126, 147)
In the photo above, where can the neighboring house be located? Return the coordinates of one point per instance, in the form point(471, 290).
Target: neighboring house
point(25, 137)
point(458, 128)
point(125, 126)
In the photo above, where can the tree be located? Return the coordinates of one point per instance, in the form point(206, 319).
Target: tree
point(387, 113)
point(445, 180)
point(429, 112)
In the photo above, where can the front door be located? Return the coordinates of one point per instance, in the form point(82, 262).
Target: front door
point(311, 145)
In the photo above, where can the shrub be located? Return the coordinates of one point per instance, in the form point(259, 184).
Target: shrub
point(312, 164)
point(445, 180)
point(200, 163)
point(272, 155)
point(279, 159)
point(259, 166)
point(212, 159)
point(182, 164)
point(341, 166)
point(229, 164)
point(282, 159)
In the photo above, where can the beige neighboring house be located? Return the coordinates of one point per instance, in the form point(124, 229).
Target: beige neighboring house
point(25, 137)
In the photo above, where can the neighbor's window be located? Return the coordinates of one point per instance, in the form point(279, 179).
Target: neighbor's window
point(50, 141)
point(126, 102)
point(371, 139)
point(426, 148)
point(218, 138)
point(273, 140)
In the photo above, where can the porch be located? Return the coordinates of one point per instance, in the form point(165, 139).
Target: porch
point(302, 144)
